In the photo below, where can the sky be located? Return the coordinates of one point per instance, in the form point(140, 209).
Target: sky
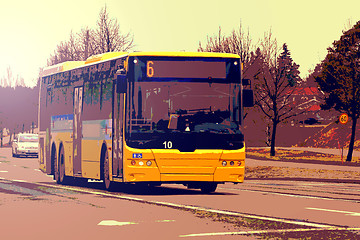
point(31, 30)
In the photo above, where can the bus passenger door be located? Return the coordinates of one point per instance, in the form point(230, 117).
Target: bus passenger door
point(118, 110)
point(77, 132)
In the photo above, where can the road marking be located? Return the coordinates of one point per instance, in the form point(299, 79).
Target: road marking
point(181, 206)
point(3, 171)
point(296, 222)
point(292, 195)
point(15, 180)
point(355, 214)
point(114, 223)
point(160, 221)
point(117, 223)
point(269, 231)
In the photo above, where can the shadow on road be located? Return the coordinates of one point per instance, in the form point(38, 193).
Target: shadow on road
point(141, 189)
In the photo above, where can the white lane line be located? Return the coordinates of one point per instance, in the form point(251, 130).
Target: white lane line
point(292, 195)
point(15, 180)
point(160, 221)
point(114, 223)
point(3, 171)
point(269, 231)
point(355, 214)
point(181, 206)
point(117, 223)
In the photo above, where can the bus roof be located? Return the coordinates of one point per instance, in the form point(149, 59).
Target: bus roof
point(61, 67)
point(104, 56)
point(186, 54)
point(69, 65)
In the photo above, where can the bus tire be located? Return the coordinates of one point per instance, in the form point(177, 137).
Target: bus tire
point(208, 187)
point(108, 185)
point(55, 164)
point(61, 166)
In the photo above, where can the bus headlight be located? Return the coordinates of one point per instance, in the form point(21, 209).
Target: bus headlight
point(224, 163)
point(148, 163)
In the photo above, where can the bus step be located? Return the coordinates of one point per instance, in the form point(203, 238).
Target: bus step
point(117, 179)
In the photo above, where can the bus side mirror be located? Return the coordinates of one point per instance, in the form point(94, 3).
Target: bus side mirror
point(248, 98)
point(246, 82)
point(121, 83)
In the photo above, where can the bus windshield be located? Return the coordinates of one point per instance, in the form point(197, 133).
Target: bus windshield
point(175, 110)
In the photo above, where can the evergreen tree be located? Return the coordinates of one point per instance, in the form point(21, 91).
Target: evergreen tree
point(288, 69)
point(339, 78)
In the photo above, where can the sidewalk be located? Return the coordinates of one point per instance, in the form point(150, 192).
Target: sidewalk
point(322, 150)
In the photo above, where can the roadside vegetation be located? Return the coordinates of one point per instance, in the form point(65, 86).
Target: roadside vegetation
point(271, 172)
point(268, 172)
point(296, 156)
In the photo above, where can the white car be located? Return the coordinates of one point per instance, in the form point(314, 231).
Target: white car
point(25, 144)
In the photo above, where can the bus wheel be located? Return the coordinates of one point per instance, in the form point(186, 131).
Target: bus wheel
point(55, 165)
point(208, 187)
point(61, 166)
point(107, 183)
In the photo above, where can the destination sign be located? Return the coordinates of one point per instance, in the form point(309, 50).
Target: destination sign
point(185, 69)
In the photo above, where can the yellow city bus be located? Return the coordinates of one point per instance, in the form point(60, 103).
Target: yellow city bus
point(144, 117)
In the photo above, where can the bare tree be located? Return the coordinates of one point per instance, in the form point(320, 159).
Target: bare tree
point(105, 38)
point(237, 42)
point(108, 37)
point(66, 51)
point(241, 44)
point(86, 42)
point(9, 76)
point(216, 43)
point(274, 83)
point(269, 49)
point(4, 82)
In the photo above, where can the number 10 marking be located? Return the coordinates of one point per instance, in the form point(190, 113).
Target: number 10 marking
point(168, 144)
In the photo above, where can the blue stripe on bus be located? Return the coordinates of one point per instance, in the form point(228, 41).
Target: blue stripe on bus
point(62, 123)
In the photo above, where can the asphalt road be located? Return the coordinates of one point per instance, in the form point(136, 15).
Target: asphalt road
point(32, 206)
